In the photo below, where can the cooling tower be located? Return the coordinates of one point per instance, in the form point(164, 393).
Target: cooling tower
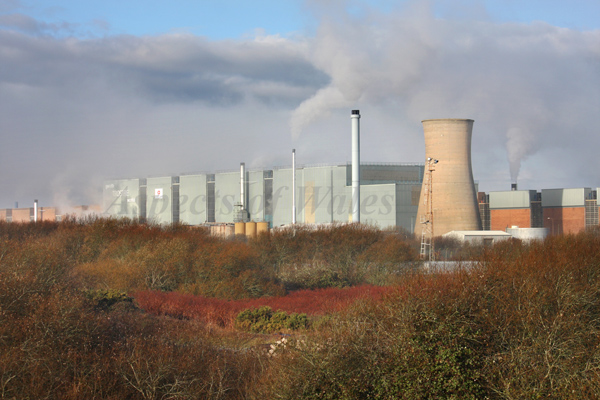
point(452, 198)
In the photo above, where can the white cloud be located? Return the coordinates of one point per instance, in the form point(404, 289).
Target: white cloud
point(73, 109)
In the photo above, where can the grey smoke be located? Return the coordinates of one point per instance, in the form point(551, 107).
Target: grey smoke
point(76, 110)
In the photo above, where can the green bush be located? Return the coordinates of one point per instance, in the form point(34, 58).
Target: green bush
point(106, 298)
point(264, 320)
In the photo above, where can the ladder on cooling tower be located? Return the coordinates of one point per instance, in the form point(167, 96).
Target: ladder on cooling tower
point(427, 218)
point(425, 239)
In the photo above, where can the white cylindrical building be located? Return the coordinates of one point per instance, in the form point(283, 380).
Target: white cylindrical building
point(453, 199)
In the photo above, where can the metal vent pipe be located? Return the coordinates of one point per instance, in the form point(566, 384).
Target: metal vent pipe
point(242, 186)
point(355, 117)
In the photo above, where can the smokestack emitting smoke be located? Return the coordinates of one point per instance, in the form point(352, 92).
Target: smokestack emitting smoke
point(355, 117)
point(513, 186)
point(293, 186)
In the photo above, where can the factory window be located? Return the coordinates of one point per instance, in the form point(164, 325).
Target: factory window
point(175, 202)
point(268, 196)
point(591, 213)
point(142, 202)
point(484, 212)
point(537, 214)
point(210, 198)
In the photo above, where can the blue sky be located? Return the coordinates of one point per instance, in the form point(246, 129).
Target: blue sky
point(232, 19)
point(91, 90)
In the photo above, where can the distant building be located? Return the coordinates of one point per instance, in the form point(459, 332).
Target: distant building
point(478, 237)
point(46, 213)
point(558, 210)
point(389, 196)
point(28, 214)
point(522, 208)
point(569, 210)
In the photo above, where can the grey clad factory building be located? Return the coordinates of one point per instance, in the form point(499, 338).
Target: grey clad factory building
point(389, 196)
point(429, 199)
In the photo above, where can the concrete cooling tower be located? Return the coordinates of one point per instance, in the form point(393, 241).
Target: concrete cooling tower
point(448, 192)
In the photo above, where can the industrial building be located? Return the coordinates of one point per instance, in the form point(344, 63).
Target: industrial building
point(429, 199)
point(389, 195)
point(557, 210)
point(522, 208)
point(35, 213)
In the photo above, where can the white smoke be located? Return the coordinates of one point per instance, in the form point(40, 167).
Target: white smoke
point(370, 60)
point(527, 86)
point(520, 143)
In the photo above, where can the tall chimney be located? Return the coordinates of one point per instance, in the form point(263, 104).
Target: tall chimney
point(35, 210)
point(243, 186)
point(293, 186)
point(355, 117)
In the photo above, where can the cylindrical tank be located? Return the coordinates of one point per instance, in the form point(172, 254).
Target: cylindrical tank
point(240, 228)
point(262, 227)
point(250, 229)
point(453, 199)
point(229, 230)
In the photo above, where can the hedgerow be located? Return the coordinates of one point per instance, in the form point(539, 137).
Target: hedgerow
point(521, 322)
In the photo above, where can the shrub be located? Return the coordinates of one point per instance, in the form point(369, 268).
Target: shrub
point(106, 298)
point(264, 320)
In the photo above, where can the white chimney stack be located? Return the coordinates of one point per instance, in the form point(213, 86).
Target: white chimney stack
point(355, 117)
point(243, 186)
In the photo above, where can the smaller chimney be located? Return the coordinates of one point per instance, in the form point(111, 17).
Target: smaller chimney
point(243, 186)
point(513, 186)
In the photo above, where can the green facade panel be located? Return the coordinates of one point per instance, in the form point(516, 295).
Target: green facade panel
point(192, 199)
point(159, 198)
point(123, 197)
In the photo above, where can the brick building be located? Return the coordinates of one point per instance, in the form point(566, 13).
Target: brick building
point(569, 210)
point(520, 208)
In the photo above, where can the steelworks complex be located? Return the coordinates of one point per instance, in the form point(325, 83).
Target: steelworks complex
point(433, 198)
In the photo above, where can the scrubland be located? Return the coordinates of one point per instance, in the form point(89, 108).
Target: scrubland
point(113, 309)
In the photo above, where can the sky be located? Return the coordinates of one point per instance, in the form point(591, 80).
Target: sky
point(94, 90)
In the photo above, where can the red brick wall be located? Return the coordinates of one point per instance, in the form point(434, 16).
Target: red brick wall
point(21, 215)
point(505, 218)
point(47, 214)
point(564, 219)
